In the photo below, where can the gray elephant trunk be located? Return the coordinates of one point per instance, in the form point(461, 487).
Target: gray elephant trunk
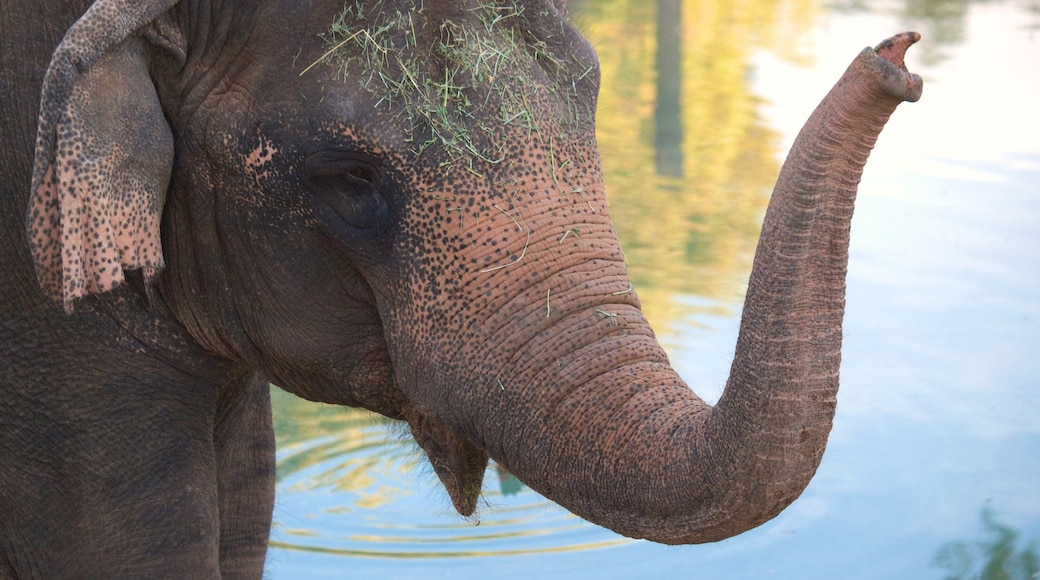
point(610, 431)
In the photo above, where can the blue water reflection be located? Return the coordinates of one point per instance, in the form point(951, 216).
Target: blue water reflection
point(935, 451)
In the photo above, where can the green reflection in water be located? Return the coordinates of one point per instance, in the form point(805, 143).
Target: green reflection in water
point(998, 557)
point(338, 440)
point(299, 421)
point(687, 200)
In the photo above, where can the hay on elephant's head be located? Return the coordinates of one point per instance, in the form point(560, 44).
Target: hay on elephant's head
point(457, 81)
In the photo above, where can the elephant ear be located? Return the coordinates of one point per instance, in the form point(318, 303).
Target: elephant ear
point(104, 155)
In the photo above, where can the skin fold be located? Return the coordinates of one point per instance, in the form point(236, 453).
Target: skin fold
point(368, 204)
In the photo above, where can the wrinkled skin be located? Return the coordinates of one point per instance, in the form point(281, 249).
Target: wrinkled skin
point(201, 219)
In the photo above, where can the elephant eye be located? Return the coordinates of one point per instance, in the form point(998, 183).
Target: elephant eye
point(349, 184)
point(328, 167)
point(362, 174)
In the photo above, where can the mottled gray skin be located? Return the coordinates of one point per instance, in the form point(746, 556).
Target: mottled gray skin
point(187, 218)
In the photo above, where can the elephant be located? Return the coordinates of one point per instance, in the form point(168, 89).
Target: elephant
point(365, 203)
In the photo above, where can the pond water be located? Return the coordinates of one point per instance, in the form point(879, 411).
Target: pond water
point(933, 466)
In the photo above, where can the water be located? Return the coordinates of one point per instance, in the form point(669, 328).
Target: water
point(933, 466)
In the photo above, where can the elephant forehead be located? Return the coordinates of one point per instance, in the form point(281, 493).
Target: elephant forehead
point(458, 77)
point(482, 223)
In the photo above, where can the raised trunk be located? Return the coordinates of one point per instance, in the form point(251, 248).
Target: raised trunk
point(624, 443)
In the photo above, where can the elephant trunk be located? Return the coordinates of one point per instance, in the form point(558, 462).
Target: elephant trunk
point(610, 431)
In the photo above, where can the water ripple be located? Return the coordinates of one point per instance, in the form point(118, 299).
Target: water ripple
point(387, 503)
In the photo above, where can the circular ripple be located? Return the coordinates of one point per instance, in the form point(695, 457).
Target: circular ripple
point(354, 484)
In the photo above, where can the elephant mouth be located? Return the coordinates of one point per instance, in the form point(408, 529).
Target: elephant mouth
point(458, 463)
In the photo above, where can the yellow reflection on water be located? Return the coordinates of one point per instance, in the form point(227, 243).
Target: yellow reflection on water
point(442, 554)
point(688, 161)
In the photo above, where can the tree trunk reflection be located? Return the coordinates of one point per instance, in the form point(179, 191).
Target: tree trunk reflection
point(668, 113)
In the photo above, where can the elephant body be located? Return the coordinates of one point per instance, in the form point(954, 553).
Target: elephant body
point(200, 200)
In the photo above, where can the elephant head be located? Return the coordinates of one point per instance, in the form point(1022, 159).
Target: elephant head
point(399, 205)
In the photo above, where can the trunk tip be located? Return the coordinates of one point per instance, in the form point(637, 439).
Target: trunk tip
point(893, 49)
point(897, 80)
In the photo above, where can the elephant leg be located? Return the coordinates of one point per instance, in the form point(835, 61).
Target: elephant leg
point(6, 569)
point(244, 444)
point(109, 487)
